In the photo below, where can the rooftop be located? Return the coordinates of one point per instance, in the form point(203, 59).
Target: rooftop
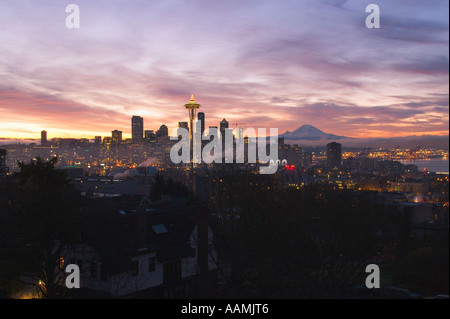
point(114, 232)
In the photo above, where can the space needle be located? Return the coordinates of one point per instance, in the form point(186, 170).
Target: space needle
point(192, 107)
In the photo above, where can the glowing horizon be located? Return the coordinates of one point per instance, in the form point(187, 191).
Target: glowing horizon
point(265, 64)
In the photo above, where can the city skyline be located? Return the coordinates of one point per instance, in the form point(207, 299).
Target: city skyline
point(264, 64)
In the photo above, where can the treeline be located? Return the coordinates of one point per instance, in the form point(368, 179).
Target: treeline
point(273, 240)
point(316, 241)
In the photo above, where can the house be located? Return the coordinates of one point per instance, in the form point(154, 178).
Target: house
point(146, 252)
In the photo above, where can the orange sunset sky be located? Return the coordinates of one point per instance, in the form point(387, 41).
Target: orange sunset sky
point(258, 63)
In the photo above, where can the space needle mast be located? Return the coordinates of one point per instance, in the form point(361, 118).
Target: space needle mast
point(192, 107)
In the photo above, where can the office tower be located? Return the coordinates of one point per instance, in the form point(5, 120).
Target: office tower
point(163, 132)
point(201, 118)
point(97, 140)
point(192, 107)
point(137, 129)
point(117, 137)
point(44, 138)
point(334, 154)
point(223, 126)
point(150, 135)
point(107, 140)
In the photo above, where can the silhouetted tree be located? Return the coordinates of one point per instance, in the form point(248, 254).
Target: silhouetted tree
point(313, 242)
point(157, 187)
point(422, 265)
point(160, 186)
point(40, 222)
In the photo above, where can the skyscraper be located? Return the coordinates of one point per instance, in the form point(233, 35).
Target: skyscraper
point(150, 135)
point(137, 129)
point(117, 137)
point(223, 126)
point(334, 154)
point(201, 118)
point(163, 132)
point(44, 138)
point(98, 140)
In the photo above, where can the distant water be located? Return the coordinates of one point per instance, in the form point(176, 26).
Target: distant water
point(431, 164)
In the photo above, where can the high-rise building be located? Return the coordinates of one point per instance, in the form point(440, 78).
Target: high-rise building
point(137, 128)
point(116, 137)
point(107, 140)
point(97, 140)
point(201, 118)
point(163, 132)
point(334, 154)
point(44, 140)
point(223, 126)
point(150, 135)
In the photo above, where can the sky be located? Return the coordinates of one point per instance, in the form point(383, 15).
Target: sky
point(257, 63)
